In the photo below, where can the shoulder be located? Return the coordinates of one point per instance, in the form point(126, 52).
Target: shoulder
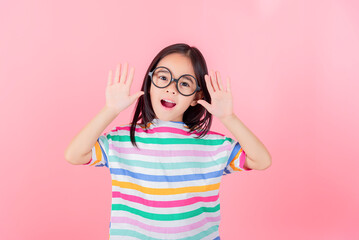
point(120, 128)
point(216, 138)
point(126, 128)
point(213, 135)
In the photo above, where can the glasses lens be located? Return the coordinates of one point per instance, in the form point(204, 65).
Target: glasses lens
point(161, 77)
point(187, 85)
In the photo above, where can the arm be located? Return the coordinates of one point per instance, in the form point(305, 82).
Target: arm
point(79, 149)
point(118, 98)
point(222, 108)
point(260, 158)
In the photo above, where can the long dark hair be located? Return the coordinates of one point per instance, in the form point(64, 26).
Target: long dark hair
point(197, 118)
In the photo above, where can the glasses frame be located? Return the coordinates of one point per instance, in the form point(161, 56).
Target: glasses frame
point(174, 80)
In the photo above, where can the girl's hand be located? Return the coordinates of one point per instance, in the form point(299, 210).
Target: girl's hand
point(118, 93)
point(221, 106)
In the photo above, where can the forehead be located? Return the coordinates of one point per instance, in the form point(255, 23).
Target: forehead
point(179, 64)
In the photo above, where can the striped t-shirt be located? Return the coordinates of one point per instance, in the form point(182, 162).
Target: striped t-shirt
point(169, 187)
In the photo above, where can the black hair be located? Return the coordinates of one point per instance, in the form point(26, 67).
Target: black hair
point(197, 118)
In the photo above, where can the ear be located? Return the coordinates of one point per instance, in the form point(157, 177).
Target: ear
point(199, 95)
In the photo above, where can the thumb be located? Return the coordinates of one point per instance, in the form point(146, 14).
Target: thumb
point(137, 95)
point(204, 104)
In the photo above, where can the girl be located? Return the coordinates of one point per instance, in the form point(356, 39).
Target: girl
point(166, 170)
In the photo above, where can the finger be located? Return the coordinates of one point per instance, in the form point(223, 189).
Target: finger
point(228, 85)
point(117, 75)
point(204, 104)
point(109, 78)
point(130, 77)
point(219, 81)
point(136, 95)
point(124, 73)
point(209, 84)
point(215, 88)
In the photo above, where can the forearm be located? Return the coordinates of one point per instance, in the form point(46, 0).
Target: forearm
point(83, 142)
point(251, 145)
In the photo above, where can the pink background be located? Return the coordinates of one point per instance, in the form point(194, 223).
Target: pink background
point(294, 70)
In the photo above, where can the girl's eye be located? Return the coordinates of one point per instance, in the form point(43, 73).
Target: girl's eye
point(184, 84)
point(163, 78)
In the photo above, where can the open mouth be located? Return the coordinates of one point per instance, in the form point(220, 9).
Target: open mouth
point(167, 103)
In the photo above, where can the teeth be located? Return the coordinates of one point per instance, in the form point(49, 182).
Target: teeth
point(168, 101)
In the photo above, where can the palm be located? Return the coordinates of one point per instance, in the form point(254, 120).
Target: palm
point(117, 96)
point(221, 104)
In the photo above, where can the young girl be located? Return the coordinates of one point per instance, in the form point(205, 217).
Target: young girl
point(166, 170)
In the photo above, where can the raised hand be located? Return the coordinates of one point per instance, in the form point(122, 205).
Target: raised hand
point(221, 105)
point(118, 92)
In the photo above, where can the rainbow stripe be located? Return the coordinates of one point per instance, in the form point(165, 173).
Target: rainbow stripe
point(169, 187)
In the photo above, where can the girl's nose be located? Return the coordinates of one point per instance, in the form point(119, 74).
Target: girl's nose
point(172, 88)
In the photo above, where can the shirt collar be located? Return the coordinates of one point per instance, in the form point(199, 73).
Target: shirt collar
point(156, 122)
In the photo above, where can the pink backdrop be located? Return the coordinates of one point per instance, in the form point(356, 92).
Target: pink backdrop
point(294, 70)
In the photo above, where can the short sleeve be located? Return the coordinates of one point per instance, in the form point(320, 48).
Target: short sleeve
point(100, 152)
point(236, 158)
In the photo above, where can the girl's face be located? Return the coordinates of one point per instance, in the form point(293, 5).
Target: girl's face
point(178, 64)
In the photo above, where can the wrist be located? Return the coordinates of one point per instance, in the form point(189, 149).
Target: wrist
point(110, 110)
point(227, 118)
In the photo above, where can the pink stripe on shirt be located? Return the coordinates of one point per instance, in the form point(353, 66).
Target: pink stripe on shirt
point(165, 129)
point(164, 204)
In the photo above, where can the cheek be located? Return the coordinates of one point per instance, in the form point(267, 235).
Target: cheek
point(186, 102)
point(153, 93)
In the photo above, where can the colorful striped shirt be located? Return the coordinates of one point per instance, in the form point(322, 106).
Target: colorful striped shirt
point(169, 187)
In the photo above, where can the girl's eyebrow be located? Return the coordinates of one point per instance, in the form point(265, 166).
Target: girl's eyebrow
point(188, 78)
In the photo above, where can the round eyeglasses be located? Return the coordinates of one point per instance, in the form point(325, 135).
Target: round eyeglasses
point(186, 84)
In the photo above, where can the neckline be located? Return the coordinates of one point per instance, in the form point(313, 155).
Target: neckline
point(156, 122)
